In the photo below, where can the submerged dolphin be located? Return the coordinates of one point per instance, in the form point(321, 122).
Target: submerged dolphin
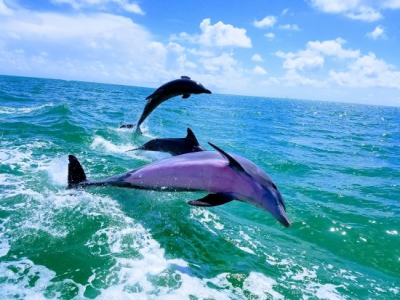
point(184, 86)
point(174, 146)
point(225, 176)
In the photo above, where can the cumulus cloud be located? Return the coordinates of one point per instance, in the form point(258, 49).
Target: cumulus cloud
point(292, 78)
point(102, 4)
point(361, 71)
point(96, 47)
point(270, 35)
point(217, 35)
point(259, 70)
point(313, 56)
point(268, 21)
point(257, 57)
point(364, 10)
point(289, 27)
point(378, 32)
point(4, 10)
point(223, 35)
point(368, 71)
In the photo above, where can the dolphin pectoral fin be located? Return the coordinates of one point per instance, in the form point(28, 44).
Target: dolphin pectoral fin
point(126, 126)
point(185, 96)
point(212, 200)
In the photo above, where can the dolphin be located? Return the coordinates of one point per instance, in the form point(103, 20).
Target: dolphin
point(174, 146)
point(184, 86)
point(223, 175)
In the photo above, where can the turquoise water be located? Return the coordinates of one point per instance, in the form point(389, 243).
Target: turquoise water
point(336, 165)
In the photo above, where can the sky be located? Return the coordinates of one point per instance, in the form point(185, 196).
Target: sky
point(334, 50)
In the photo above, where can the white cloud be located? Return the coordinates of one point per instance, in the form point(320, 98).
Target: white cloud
point(292, 78)
point(268, 21)
point(284, 12)
point(379, 31)
point(217, 35)
point(333, 48)
point(270, 35)
point(364, 10)
point(304, 59)
point(257, 57)
point(224, 62)
point(290, 27)
point(223, 35)
point(367, 71)
point(366, 14)
point(102, 4)
point(4, 10)
point(95, 47)
point(313, 56)
point(260, 70)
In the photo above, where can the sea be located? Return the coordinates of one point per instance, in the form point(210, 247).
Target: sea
point(337, 166)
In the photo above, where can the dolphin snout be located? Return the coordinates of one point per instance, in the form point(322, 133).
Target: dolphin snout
point(281, 216)
point(208, 92)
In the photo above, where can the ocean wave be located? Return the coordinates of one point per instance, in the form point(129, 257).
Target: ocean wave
point(22, 110)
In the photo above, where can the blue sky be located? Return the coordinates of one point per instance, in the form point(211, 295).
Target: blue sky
point(337, 50)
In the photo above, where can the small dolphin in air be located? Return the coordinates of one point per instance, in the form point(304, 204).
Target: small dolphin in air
point(184, 86)
point(224, 176)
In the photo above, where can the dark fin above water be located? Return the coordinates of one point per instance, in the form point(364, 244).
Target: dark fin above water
point(185, 96)
point(190, 137)
point(212, 200)
point(185, 77)
point(138, 130)
point(232, 162)
point(76, 174)
point(127, 126)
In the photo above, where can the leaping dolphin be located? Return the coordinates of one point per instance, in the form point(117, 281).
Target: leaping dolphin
point(174, 146)
point(184, 86)
point(225, 176)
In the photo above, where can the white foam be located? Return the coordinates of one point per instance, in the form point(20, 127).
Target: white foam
point(18, 281)
point(328, 291)
point(57, 170)
point(207, 218)
point(101, 143)
point(22, 110)
point(261, 286)
point(4, 246)
point(306, 273)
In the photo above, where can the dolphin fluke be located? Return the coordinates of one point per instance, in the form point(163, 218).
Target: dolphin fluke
point(76, 174)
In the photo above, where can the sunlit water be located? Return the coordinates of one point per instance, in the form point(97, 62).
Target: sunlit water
point(337, 166)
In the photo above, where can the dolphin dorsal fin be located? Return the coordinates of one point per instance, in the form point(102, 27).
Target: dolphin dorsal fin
point(191, 137)
point(232, 162)
point(185, 77)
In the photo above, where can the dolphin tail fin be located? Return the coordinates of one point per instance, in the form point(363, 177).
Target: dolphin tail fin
point(138, 130)
point(76, 174)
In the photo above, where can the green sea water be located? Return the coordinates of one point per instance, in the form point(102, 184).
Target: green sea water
point(336, 165)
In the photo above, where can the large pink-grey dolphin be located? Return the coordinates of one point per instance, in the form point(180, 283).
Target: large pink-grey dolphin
point(224, 176)
point(174, 146)
point(183, 86)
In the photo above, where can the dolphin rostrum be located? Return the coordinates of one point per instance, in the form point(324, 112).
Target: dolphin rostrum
point(224, 176)
point(184, 86)
point(174, 146)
